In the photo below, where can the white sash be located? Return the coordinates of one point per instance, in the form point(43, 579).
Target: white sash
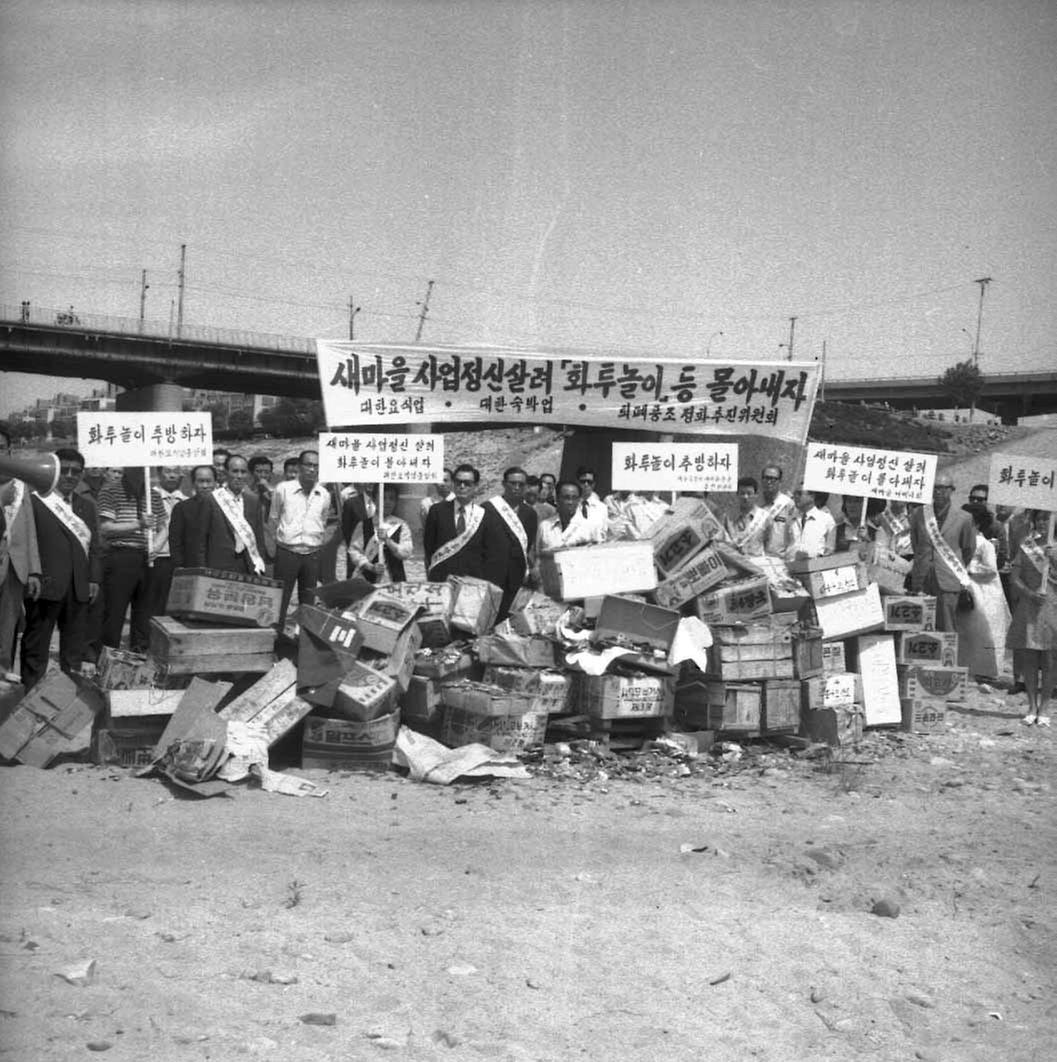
point(897, 527)
point(943, 548)
point(18, 492)
point(1037, 555)
point(510, 518)
point(759, 518)
point(474, 516)
point(231, 507)
point(64, 513)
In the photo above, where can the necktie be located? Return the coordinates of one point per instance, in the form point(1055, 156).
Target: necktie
point(460, 522)
point(583, 509)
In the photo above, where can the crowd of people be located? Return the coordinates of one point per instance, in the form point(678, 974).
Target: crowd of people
point(100, 549)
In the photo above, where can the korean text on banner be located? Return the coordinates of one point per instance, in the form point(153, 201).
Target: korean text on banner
point(411, 384)
point(1023, 481)
point(145, 439)
point(860, 473)
point(675, 466)
point(363, 457)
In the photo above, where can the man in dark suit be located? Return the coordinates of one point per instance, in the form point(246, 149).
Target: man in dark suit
point(453, 537)
point(509, 537)
point(228, 540)
point(71, 571)
point(188, 516)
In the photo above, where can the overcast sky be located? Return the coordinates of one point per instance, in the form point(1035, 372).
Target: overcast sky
point(633, 178)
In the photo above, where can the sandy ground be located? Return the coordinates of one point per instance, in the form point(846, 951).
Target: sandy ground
point(555, 918)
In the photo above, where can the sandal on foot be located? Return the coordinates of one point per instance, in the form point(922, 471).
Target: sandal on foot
point(1042, 720)
point(1029, 720)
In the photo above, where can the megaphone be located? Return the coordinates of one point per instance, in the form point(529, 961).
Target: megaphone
point(41, 473)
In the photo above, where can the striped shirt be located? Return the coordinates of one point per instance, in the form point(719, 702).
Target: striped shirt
point(117, 504)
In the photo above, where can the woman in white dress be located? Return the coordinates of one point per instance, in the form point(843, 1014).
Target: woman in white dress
point(982, 629)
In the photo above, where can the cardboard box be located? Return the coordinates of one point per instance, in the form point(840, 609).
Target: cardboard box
point(754, 651)
point(873, 656)
point(364, 693)
point(180, 649)
point(926, 681)
point(740, 602)
point(885, 568)
point(271, 703)
point(400, 663)
point(700, 573)
point(837, 579)
point(130, 742)
point(838, 727)
point(649, 629)
point(515, 732)
point(450, 661)
point(832, 691)
point(382, 619)
point(474, 604)
point(533, 613)
point(907, 613)
point(928, 647)
point(435, 601)
point(683, 533)
point(833, 657)
point(553, 689)
point(517, 650)
point(420, 705)
point(118, 669)
point(54, 719)
point(807, 651)
point(924, 715)
point(337, 630)
point(349, 744)
point(781, 706)
point(129, 704)
point(626, 696)
point(477, 698)
point(850, 614)
point(214, 596)
point(594, 571)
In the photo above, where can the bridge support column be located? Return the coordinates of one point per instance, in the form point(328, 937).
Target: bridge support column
point(154, 398)
point(408, 507)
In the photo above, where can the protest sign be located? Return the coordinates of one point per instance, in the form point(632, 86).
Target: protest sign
point(414, 384)
point(675, 466)
point(366, 457)
point(145, 439)
point(860, 473)
point(1022, 481)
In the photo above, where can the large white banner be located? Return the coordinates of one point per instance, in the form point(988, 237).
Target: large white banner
point(675, 466)
point(381, 384)
point(853, 470)
point(373, 457)
point(139, 439)
point(1023, 481)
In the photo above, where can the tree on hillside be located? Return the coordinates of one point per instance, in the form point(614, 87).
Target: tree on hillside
point(63, 428)
point(219, 412)
point(240, 422)
point(963, 384)
point(299, 416)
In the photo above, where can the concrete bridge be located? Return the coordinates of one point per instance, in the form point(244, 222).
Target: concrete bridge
point(152, 362)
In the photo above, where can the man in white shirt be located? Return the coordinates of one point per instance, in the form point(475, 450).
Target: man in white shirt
point(300, 508)
point(780, 510)
point(592, 508)
point(814, 531)
point(748, 531)
point(570, 527)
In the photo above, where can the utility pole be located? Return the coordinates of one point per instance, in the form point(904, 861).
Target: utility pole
point(792, 330)
point(983, 282)
point(353, 310)
point(143, 286)
point(180, 306)
point(425, 310)
point(822, 381)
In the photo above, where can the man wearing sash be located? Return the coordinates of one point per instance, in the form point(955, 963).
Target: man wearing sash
point(943, 539)
point(748, 531)
point(228, 541)
point(71, 571)
point(509, 535)
point(780, 509)
point(452, 539)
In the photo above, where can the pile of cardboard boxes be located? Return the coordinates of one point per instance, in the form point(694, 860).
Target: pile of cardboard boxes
point(612, 643)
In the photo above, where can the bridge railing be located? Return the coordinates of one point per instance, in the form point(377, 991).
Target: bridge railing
point(75, 320)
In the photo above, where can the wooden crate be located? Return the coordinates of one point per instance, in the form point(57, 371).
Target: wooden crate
point(807, 652)
point(838, 727)
point(754, 651)
point(626, 696)
point(271, 703)
point(181, 649)
point(735, 707)
point(514, 732)
point(628, 733)
point(781, 706)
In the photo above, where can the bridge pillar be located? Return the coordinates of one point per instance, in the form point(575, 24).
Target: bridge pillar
point(154, 398)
